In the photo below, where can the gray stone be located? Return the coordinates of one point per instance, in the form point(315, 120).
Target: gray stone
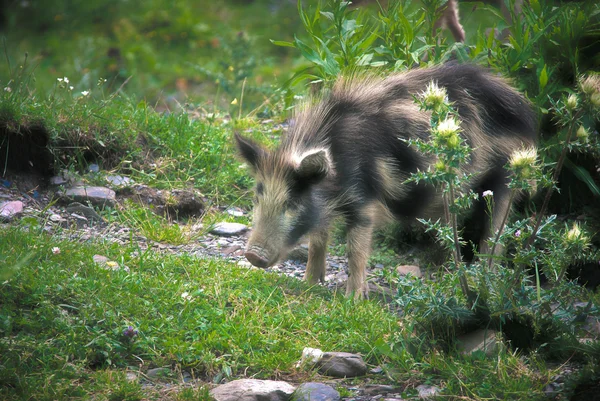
point(427, 392)
point(299, 254)
point(57, 219)
point(405, 270)
point(479, 340)
point(228, 229)
point(379, 389)
point(58, 180)
point(315, 392)
point(118, 180)
point(131, 376)
point(342, 364)
point(108, 264)
point(87, 212)
point(235, 211)
point(158, 373)
point(98, 196)
point(253, 390)
point(10, 210)
point(93, 168)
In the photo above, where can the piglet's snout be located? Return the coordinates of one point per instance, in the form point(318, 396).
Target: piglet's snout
point(257, 257)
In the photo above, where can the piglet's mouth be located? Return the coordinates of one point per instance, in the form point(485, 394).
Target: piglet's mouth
point(258, 257)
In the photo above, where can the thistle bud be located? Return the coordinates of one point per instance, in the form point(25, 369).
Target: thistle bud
point(446, 133)
point(576, 237)
point(523, 163)
point(582, 133)
point(572, 102)
point(434, 96)
point(590, 86)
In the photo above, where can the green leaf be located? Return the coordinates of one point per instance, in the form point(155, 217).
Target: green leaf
point(543, 78)
point(308, 53)
point(328, 15)
point(282, 43)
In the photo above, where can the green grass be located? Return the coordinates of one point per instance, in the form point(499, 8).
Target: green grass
point(61, 311)
point(63, 319)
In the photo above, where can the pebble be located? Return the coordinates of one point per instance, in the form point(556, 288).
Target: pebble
point(118, 180)
point(253, 390)
point(10, 210)
point(341, 364)
point(229, 229)
point(315, 392)
point(99, 196)
point(426, 391)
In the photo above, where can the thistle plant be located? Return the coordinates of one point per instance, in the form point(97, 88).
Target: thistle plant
point(525, 174)
point(574, 115)
point(449, 150)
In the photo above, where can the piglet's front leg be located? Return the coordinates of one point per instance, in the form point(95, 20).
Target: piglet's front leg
point(359, 249)
point(317, 254)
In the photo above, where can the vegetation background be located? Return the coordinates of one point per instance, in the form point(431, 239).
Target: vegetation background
point(153, 90)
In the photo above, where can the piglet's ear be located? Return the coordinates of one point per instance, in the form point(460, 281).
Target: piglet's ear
point(250, 151)
point(314, 166)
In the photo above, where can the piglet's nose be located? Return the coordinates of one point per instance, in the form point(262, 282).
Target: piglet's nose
point(254, 256)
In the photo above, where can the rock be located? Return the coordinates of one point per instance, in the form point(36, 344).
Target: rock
point(108, 264)
point(405, 270)
point(310, 356)
point(231, 249)
point(98, 196)
point(379, 389)
point(479, 340)
point(119, 181)
point(10, 210)
point(341, 364)
point(253, 390)
point(228, 229)
point(235, 211)
point(158, 373)
point(131, 376)
point(315, 392)
point(179, 202)
point(93, 168)
point(80, 221)
point(56, 218)
point(299, 254)
point(426, 391)
point(85, 211)
point(58, 180)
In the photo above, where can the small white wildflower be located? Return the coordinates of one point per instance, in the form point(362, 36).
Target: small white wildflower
point(60, 79)
point(186, 295)
point(66, 80)
point(487, 193)
point(85, 93)
point(71, 88)
point(56, 250)
point(7, 89)
point(234, 101)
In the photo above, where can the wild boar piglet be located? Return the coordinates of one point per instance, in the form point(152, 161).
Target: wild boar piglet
point(346, 156)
